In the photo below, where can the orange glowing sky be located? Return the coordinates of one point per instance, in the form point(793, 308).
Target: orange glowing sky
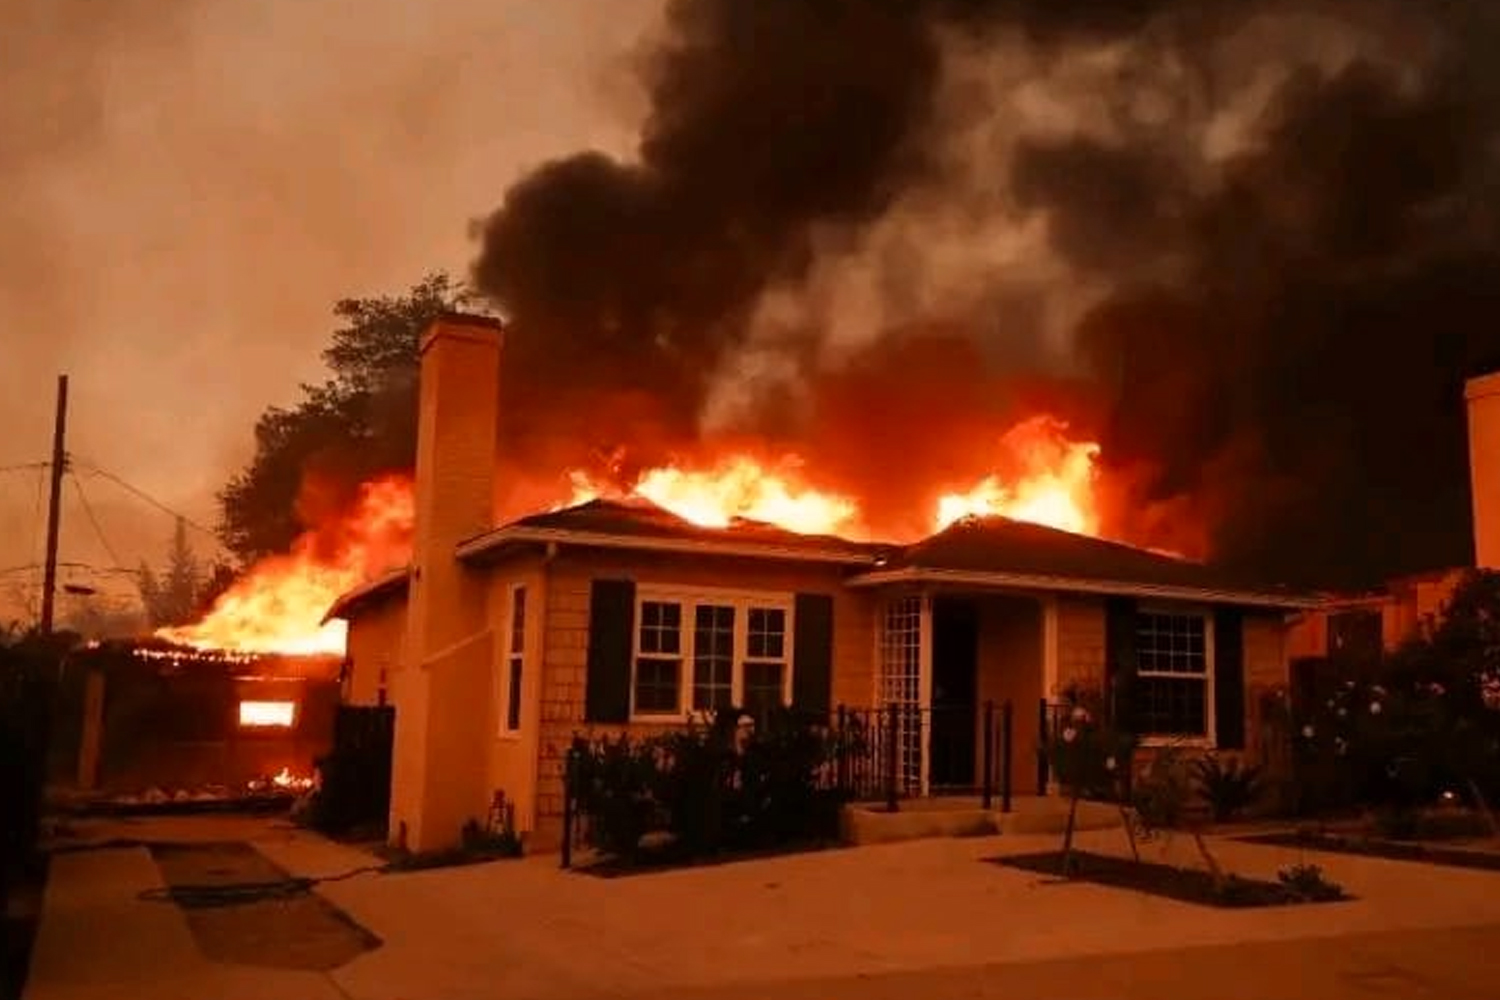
point(166, 163)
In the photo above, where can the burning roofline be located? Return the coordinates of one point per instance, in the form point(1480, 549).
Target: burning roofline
point(872, 557)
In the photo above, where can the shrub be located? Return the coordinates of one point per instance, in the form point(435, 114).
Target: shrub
point(1308, 882)
point(613, 783)
point(1227, 789)
point(728, 784)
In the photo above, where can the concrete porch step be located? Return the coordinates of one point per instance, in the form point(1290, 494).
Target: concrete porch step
point(870, 823)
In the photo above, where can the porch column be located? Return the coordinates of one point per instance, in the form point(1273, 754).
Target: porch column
point(1050, 652)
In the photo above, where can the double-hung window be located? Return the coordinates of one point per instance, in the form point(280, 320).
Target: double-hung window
point(515, 659)
point(1173, 686)
point(697, 653)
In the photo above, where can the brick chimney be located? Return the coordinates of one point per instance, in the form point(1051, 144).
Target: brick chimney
point(1483, 397)
point(438, 770)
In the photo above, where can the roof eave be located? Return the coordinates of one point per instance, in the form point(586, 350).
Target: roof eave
point(381, 586)
point(476, 548)
point(1037, 581)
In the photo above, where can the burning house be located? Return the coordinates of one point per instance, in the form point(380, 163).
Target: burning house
point(499, 642)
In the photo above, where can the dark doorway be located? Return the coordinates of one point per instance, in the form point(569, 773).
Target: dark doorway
point(955, 685)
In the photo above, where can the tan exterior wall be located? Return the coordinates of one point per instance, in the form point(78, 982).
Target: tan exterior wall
point(375, 639)
point(1080, 642)
point(565, 643)
point(513, 755)
point(1483, 397)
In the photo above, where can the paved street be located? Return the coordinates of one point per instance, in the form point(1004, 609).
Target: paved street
point(921, 919)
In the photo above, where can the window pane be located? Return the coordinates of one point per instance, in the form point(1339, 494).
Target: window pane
point(1171, 644)
point(518, 620)
point(713, 656)
point(656, 685)
point(767, 633)
point(1171, 706)
point(661, 627)
point(513, 705)
point(763, 687)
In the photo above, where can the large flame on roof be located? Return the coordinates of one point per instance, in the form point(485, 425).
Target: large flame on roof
point(1037, 473)
point(1052, 482)
point(735, 487)
point(278, 605)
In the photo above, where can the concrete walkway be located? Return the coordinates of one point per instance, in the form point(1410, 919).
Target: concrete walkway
point(884, 919)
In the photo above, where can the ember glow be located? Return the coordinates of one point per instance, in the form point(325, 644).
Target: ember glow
point(279, 603)
point(1053, 484)
point(268, 714)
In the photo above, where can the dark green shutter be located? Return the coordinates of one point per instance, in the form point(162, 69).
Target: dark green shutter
point(1229, 678)
point(611, 642)
point(1120, 661)
point(812, 655)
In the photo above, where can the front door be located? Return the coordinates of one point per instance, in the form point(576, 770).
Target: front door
point(955, 675)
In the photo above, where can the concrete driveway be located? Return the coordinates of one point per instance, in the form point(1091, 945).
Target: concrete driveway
point(901, 919)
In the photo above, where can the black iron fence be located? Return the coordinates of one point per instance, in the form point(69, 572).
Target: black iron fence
point(901, 751)
point(883, 755)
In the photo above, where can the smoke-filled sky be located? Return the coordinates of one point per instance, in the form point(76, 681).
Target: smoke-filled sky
point(1257, 238)
point(1249, 244)
point(187, 186)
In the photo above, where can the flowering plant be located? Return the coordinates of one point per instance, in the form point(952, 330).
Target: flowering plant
point(1090, 758)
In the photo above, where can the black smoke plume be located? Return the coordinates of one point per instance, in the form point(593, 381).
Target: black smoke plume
point(1285, 324)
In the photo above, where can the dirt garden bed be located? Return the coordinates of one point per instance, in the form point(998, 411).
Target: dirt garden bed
point(1185, 885)
point(1484, 856)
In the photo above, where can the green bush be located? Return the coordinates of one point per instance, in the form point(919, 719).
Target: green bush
point(1227, 789)
point(725, 785)
point(614, 782)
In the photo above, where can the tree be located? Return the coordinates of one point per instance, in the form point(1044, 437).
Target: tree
point(359, 423)
point(172, 598)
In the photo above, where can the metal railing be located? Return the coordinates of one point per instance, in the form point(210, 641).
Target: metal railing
point(885, 754)
point(902, 751)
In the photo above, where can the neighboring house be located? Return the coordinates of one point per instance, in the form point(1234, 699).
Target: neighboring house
point(502, 643)
point(1358, 627)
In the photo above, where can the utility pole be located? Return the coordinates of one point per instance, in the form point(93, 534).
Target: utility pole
point(54, 504)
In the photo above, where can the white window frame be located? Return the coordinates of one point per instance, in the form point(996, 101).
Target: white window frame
point(688, 599)
point(512, 658)
point(1209, 739)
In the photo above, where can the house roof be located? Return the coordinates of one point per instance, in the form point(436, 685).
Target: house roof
point(642, 525)
point(978, 552)
point(998, 551)
point(366, 595)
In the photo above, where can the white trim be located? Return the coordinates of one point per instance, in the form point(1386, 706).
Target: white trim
point(687, 600)
point(1209, 739)
point(509, 657)
point(1029, 581)
point(482, 544)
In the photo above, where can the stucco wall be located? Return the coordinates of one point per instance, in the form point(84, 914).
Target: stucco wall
point(1080, 643)
point(375, 639)
point(565, 643)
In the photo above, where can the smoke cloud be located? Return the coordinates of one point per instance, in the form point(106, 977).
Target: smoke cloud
point(1251, 246)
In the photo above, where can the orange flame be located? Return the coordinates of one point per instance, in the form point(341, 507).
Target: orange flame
point(1053, 485)
point(1041, 475)
point(278, 605)
point(736, 487)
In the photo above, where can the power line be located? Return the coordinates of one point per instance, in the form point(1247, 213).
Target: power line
point(148, 498)
point(88, 511)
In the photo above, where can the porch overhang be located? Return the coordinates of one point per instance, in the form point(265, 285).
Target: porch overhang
point(1032, 581)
